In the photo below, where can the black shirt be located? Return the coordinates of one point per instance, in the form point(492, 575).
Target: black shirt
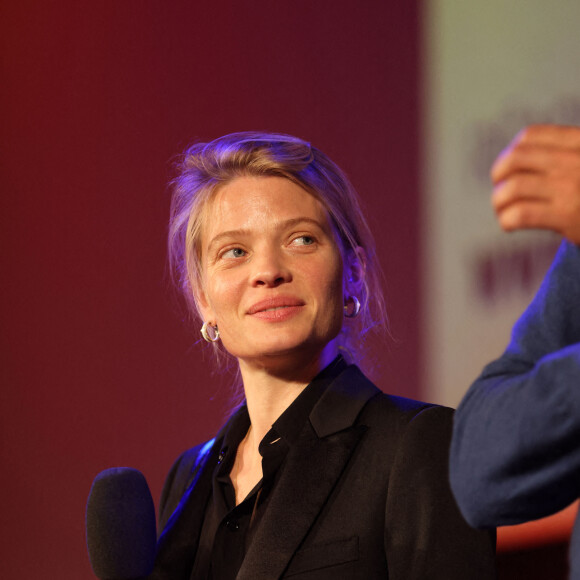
point(228, 529)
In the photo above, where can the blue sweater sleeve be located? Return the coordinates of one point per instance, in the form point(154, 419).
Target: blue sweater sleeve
point(515, 452)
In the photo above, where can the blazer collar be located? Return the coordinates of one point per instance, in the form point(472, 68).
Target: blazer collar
point(342, 402)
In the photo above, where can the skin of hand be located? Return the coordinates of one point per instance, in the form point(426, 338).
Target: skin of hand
point(536, 181)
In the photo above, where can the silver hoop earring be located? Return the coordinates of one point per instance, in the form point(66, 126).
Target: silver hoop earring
point(351, 307)
point(210, 332)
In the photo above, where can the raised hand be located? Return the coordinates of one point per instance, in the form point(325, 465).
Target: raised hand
point(537, 181)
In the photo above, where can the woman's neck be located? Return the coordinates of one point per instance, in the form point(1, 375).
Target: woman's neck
point(272, 387)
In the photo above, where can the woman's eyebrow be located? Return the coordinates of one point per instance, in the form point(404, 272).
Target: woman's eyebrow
point(242, 232)
point(227, 234)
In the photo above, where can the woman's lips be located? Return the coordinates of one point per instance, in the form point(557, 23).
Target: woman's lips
point(276, 309)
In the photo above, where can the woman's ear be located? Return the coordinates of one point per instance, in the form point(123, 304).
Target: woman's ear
point(355, 271)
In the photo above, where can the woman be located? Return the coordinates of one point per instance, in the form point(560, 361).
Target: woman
point(318, 474)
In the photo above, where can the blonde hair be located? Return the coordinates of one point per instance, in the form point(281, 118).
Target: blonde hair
point(204, 167)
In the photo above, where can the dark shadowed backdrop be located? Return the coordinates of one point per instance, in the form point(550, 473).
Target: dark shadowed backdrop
point(97, 368)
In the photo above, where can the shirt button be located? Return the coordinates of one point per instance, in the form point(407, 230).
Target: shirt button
point(232, 525)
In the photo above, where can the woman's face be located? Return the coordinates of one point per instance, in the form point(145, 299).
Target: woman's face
point(272, 271)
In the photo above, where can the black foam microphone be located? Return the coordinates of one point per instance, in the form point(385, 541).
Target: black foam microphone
point(121, 533)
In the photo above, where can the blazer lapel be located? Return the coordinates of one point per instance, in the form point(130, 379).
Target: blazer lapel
point(313, 466)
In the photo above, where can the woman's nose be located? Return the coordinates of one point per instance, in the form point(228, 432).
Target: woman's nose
point(270, 269)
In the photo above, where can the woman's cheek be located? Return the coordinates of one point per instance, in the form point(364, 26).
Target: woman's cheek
point(226, 298)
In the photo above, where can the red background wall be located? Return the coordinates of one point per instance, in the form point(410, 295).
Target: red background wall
point(97, 368)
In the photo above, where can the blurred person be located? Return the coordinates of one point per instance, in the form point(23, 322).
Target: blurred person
point(515, 453)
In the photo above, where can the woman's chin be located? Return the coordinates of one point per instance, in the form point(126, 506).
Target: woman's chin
point(278, 353)
point(277, 347)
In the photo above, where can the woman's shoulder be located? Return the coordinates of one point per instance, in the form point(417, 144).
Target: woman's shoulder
point(396, 412)
point(180, 476)
point(409, 407)
point(388, 410)
point(407, 432)
point(191, 459)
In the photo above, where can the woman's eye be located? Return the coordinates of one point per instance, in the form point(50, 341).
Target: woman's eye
point(303, 241)
point(234, 253)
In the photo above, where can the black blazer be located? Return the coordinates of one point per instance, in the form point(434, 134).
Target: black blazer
point(364, 494)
